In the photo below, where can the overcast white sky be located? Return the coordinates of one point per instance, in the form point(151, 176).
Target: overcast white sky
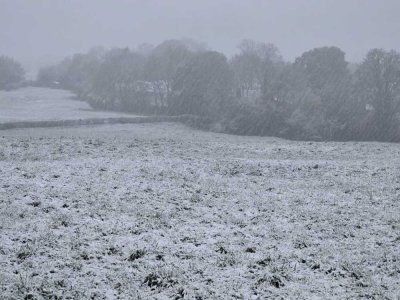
point(41, 31)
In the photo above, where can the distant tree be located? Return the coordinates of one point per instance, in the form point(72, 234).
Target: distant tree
point(266, 51)
point(48, 76)
point(80, 73)
point(194, 45)
point(144, 49)
point(328, 76)
point(251, 64)
point(75, 73)
point(161, 67)
point(319, 96)
point(378, 92)
point(11, 73)
point(248, 71)
point(203, 85)
point(295, 108)
point(327, 73)
point(115, 84)
point(322, 66)
point(54, 76)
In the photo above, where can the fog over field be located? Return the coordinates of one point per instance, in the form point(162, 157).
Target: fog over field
point(43, 31)
point(199, 149)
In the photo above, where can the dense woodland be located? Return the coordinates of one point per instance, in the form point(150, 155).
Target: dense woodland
point(319, 96)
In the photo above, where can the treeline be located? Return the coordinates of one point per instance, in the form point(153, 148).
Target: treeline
point(319, 96)
point(12, 75)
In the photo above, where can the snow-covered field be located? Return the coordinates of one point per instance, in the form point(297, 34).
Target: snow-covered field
point(161, 211)
point(42, 104)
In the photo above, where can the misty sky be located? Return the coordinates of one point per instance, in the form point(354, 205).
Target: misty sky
point(42, 31)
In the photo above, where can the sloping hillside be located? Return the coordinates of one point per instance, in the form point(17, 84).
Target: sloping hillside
point(159, 211)
point(43, 104)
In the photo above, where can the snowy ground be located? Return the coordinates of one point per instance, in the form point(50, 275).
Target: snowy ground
point(161, 211)
point(42, 104)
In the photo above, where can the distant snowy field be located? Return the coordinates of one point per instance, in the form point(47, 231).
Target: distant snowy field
point(162, 211)
point(42, 104)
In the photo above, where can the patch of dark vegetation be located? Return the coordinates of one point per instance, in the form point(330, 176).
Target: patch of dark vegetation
point(85, 256)
point(159, 257)
point(112, 250)
point(264, 262)
point(250, 250)
point(25, 252)
point(329, 271)
point(154, 281)
point(23, 255)
point(315, 267)
point(64, 223)
point(276, 282)
point(180, 294)
point(222, 250)
point(136, 255)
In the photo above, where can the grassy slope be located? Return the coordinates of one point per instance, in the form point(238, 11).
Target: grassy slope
point(160, 211)
point(42, 104)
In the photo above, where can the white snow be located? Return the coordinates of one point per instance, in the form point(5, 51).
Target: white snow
point(43, 104)
point(162, 211)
